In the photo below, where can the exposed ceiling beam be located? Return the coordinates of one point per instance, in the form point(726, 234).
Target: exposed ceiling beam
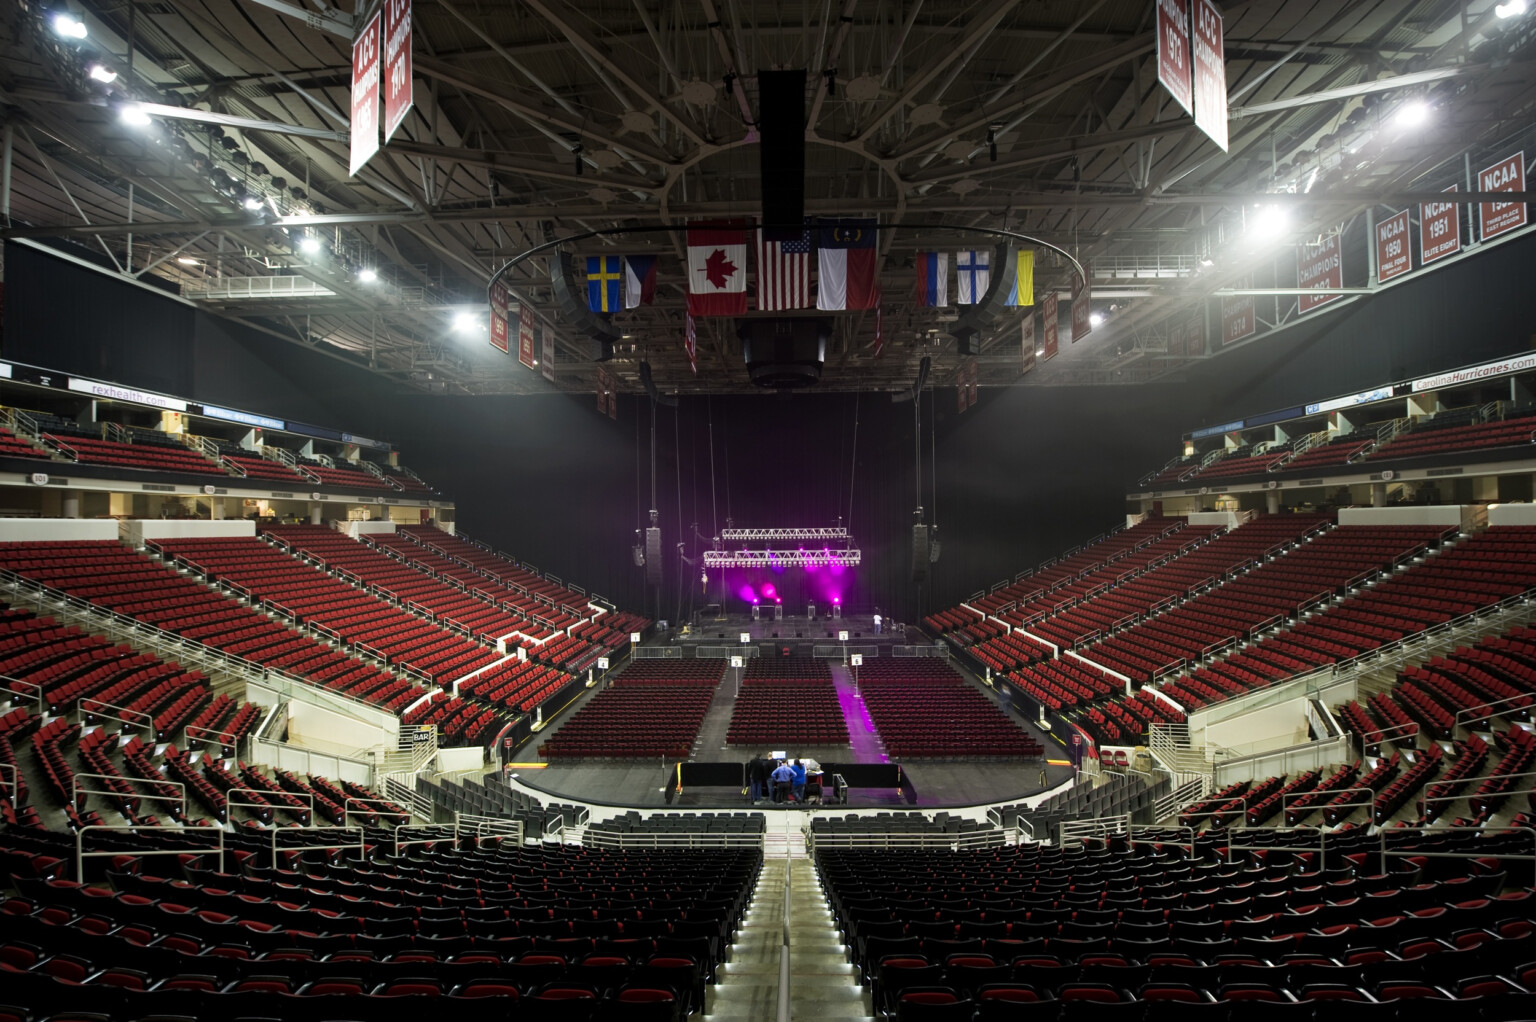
point(1360, 89)
point(327, 19)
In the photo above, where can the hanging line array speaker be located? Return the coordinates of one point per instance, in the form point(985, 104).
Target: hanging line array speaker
point(781, 152)
point(985, 314)
point(571, 296)
point(653, 555)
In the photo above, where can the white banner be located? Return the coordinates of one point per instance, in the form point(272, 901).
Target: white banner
point(365, 95)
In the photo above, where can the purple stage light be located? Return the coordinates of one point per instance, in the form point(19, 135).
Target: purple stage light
point(747, 593)
point(769, 591)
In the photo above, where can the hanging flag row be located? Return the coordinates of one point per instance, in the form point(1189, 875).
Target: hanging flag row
point(973, 272)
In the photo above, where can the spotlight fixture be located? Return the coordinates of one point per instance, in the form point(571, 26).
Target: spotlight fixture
point(103, 74)
point(1095, 319)
point(1413, 113)
point(1268, 222)
point(188, 260)
point(367, 275)
point(1512, 9)
point(68, 26)
point(309, 245)
point(133, 115)
point(464, 322)
point(252, 202)
point(1207, 263)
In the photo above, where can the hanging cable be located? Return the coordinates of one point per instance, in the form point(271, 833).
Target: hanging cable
point(714, 510)
point(726, 454)
point(677, 456)
point(933, 461)
point(853, 465)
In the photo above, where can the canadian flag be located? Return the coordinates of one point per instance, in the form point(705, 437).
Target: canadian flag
point(717, 269)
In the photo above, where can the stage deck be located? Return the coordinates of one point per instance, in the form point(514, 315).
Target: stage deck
point(932, 783)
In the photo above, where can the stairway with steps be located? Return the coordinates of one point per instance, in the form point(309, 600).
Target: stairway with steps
point(822, 984)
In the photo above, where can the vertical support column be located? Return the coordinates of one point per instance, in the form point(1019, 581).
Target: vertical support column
point(1272, 502)
point(71, 504)
point(314, 514)
point(7, 145)
point(1378, 495)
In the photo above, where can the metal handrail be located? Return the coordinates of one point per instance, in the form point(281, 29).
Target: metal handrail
point(1133, 840)
point(1322, 841)
point(148, 721)
point(231, 803)
point(11, 787)
point(1460, 720)
point(399, 844)
point(1384, 851)
point(362, 834)
point(81, 854)
point(8, 683)
point(75, 791)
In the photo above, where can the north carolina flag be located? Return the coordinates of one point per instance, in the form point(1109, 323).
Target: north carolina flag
point(604, 277)
point(845, 262)
point(1023, 292)
point(933, 278)
point(974, 271)
point(717, 269)
point(639, 280)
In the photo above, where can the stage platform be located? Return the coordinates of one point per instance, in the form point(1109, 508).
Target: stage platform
point(927, 783)
point(797, 632)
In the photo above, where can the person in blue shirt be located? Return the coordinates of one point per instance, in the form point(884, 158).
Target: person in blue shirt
point(799, 769)
point(783, 779)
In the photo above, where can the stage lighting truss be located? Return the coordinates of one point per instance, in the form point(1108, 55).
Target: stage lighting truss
point(828, 535)
point(847, 557)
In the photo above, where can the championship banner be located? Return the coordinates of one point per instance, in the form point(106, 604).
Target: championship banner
point(1393, 256)
point(547, 353)
point(1173, 52)
point(499, 317)
point(399, 87)
point(1027, 341)
point(1082, 305)
point(1175, 343)
point(1494, 218)
point(1210, 71)
point(365, 95)
point(602, 391)
point(1439, 229)
point(525, 334)
point(1194, 336)
point(1049, 325)
point(1318, 266)
point(971, 384)
point(962, 394)
point(1237, 317)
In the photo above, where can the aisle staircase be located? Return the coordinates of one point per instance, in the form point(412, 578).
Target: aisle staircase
point(822, 984)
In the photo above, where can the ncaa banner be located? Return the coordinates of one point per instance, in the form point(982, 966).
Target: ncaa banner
point(499, 317)
point(525, 334)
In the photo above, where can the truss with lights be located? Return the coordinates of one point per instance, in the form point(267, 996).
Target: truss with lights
point(847, 557)
point(770, 535)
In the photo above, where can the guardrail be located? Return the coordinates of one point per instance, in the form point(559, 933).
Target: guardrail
point(1132, 839)
point(444, 832)
point(495, 826)
point(268, 803)
point(81, 854)
point(975, 839)
point(9, 684)
point(9, 786)
point(683, 839)
point(277, 832)
point(87, 706)
point(1099, 827)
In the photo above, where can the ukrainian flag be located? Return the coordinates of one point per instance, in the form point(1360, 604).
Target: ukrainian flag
point(1023, 292)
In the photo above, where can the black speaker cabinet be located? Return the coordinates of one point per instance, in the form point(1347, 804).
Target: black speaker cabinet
point(572, 298)
point(919, 553)
point(781, 152)
point(653, 555)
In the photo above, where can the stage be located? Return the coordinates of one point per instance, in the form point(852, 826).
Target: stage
point(926, 783)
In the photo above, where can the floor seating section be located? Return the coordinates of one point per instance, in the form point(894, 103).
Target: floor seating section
point(652, 708)
point(922, 707)
point(1476, 572)
point(1450, 432)
point(787, 701)
point(1173, 931)
point(110, 575)
point(309, 596)
point(681, 829)
point(485, 933)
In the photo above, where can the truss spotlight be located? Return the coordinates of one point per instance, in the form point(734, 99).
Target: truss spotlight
point(133, 115)
point(1095, 318)
point(1512, 9)
point(1268, 222)
point(465, 322)
point(1412, 114)
point(68, 26)
point(309, 245)
point(252, 202)
point(103, 74)
point(367, 275)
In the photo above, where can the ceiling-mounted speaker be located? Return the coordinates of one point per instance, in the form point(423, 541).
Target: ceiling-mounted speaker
point(582, 321)
point(786, 352)
point(917, 386)
point(653, 555)
point(781, 152)
point(994, 303)
point(921, 557)
point(649, 383)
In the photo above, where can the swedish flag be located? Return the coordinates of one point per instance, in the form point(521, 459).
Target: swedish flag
point(605, 281)
point(1023, 292)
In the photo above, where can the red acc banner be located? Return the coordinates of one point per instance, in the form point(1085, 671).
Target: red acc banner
point(1393, 256)
point(1049, 324)
point(399, 93)
point(1173, 51)
point(525, 334)
point(1319, 266)
point(499, 317)
point(1497, 217)
point(1237, 317)
point(1210, 71)
point(365, 96)
point(1439, 229)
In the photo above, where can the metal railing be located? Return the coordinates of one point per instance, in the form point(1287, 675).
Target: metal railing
point(495, 826)
point(88, 706)
point(267, 803)
point(673, 839)
point(10, 684)
point(1384, 851)
point(75, 790)
point(81, 854)
point(941, 651)
point(406, 796)
point(1074, 831)
point(330, 846)
point(442, 832)
point(992, 838)
point(1132, 839)
point(725, 652)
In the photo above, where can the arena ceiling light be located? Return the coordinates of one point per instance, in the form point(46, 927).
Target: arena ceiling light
point(103, 74)
point(1413, 114)
point(1512, 9)
point(133, 115)
point(309, 245)
point(847, 557)
point(68, 26)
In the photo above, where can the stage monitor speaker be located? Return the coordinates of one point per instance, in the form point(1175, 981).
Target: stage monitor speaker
point(572, 299)
point(653, 555)
point(994, 303)
point(781, 152)
point(920, 553)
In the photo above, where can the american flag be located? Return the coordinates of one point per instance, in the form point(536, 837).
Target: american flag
point(783, 273)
